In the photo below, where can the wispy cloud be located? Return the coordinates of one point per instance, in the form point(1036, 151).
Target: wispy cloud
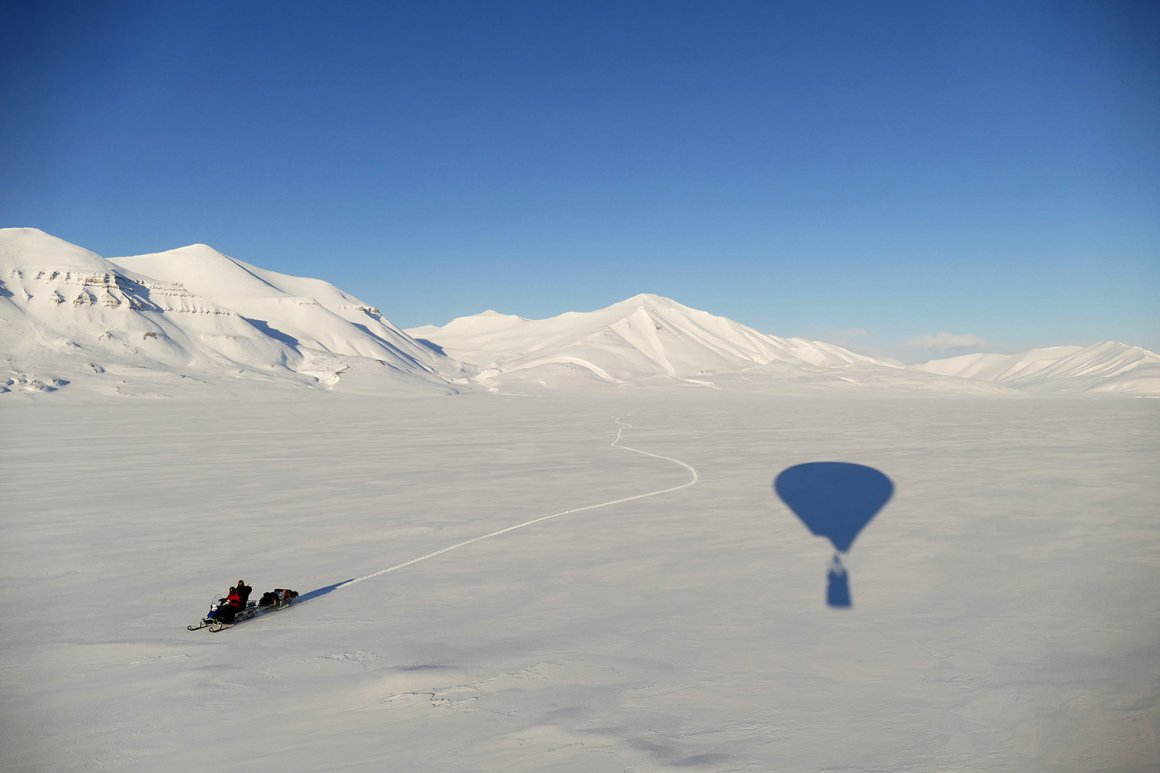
point(942, 342)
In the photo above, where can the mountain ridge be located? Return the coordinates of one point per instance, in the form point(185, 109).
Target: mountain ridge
point(143, 324)
point(70, 316)
point(650, 339)
point(1105, 367)
point(312, 312)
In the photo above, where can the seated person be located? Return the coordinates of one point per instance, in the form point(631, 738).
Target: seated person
point(227, 608)
point(244, 591)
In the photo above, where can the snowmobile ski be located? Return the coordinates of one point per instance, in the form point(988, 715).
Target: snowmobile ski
point(249, 613)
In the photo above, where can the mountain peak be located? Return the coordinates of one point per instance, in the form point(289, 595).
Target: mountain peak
point(644, 337)
point(650, 300)
point(195, 311)
point(650, 297)
point(32, 248)
point(196, 251)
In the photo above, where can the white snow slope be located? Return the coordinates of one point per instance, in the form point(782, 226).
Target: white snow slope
point(642, 337)
point(309, 313)
point(659, 612)
point(1104, 368)
point(649, 339)
point(68, 315)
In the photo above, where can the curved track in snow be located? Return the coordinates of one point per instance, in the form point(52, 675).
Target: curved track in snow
point(615, 444)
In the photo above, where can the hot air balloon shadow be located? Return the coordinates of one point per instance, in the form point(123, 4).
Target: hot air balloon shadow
point(835, 500)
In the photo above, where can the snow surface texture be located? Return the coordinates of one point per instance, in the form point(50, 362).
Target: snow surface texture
point(656, 608)
point(588, 571)
point(192, 321)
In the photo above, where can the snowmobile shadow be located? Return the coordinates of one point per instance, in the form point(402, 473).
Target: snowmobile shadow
point(835, 500)
point(318, 592)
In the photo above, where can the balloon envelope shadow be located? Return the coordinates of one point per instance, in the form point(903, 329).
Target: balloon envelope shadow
point(835, 500)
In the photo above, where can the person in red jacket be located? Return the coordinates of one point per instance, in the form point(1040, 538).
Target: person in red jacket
point(227, 611)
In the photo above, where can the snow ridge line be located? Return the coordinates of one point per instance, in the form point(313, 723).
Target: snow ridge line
point(696, 477)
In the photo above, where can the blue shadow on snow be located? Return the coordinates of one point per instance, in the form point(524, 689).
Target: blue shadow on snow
point(274, 332)
point(835, 500)
point(317, 592)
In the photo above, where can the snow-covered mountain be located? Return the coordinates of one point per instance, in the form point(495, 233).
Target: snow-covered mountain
point(649, 339)
point(643, 338)
point(1103, 368)
point(68, 314)
point(308, 314)
point(159, 323)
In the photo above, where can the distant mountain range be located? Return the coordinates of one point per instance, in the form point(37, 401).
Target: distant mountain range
point(649, 339)
point(1105, 368)
point(193, 320)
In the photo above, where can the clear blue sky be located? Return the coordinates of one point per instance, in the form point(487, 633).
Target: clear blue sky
point(859, 172)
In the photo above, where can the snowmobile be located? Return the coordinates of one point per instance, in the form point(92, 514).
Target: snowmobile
point(279, 598)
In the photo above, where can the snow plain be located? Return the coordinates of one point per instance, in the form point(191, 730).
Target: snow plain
point(1005, 615)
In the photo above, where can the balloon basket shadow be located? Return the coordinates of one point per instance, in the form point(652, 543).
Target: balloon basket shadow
point(838, 585)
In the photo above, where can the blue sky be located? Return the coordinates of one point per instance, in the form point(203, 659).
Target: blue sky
point(865, 173)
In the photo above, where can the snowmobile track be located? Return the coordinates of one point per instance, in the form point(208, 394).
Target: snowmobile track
point(693, 480)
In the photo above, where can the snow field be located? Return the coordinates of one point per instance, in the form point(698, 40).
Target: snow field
point(1004, 609)
point(509, 529)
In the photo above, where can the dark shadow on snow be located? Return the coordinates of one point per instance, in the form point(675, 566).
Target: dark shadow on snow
point(273, 332)
point(835, 500)
point(432, 346)
point(317, 592)
point(838, 585)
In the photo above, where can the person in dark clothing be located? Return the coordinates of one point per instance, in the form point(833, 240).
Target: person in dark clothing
point(244, 591)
